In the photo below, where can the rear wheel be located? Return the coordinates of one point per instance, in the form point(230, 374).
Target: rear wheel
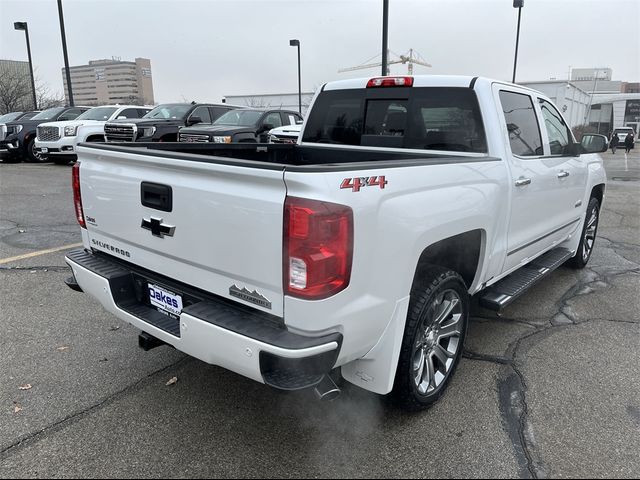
point(433, 339)
point(588, 238)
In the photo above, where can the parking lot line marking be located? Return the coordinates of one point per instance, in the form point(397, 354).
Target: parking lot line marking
point(38, 253)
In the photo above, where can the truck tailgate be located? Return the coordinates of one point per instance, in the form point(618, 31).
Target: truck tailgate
point(227, 218)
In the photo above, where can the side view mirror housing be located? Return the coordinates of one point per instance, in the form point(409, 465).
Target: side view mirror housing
point(193, 121)
point(593, 143)
point(121, 117)
point(266, 127)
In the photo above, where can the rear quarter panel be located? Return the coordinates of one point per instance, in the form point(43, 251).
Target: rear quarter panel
point(419, 206)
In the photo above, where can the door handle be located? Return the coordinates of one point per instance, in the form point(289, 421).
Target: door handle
point(563, 174)
point(521, 182)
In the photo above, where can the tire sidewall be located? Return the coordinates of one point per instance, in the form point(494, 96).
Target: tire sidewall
point(405, 387)
point(579, 258)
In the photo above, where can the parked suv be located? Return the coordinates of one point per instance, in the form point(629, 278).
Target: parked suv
point(246, 125)
point(21, 134)
point(58, 141)
point(12, 117)
point(163, 122)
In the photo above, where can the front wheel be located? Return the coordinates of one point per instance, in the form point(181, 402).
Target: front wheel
point(32, 155)
point(588, 238)
point(433, 339)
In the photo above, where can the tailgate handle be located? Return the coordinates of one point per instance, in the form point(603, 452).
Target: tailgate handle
point(156, 196)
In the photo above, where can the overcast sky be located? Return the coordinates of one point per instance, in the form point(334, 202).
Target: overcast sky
point(205, 49)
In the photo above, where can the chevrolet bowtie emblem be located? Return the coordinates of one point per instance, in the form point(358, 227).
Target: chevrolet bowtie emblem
point(157, 228)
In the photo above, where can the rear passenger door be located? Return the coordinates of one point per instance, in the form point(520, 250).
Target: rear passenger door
point(536, 220)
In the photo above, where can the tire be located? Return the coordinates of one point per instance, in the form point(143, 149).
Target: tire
point(588, 236)
point(429, 356)
point(31, 155)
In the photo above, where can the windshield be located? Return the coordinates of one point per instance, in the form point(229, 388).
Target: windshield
point(98, 113)
point(169, 111)
point(49, 114)
point(243, 118)
point(7, 117)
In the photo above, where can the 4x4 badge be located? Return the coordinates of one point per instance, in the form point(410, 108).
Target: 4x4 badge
point(157, 228)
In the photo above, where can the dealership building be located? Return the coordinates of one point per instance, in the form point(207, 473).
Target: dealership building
point(592, 97)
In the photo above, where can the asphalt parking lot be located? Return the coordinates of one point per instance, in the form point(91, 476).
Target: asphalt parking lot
point(549, 389)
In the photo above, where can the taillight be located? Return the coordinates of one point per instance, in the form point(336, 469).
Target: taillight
point(390, 82)
point(77, 197)
point(318, 248)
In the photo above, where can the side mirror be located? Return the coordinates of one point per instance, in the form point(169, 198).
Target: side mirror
point(266, 127)
point(121, 117)
point(594, 143)
point(194, 120)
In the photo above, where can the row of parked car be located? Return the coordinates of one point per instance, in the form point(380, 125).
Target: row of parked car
point(54, 134)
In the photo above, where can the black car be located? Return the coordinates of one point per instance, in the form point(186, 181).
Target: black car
point(238, 126)
point(19, 141)
point(163, 122)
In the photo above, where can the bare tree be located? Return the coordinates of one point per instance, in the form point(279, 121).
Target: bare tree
point(15, 92)
point(46, 98)
point(256, 103)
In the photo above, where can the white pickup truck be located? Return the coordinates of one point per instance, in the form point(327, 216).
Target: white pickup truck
point(354, 252)
point(57, 141)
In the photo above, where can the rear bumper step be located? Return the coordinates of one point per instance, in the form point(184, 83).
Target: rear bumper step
point(507, 290)
point(211, 328)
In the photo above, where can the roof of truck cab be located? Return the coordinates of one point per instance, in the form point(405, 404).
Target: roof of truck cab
point(418, 81)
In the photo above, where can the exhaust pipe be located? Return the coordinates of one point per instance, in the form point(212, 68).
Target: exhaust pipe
point(327, 390)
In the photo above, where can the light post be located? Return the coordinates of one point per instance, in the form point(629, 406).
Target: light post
point(296, 43)
point(64, 51)
point(23, 26)
point(517, 4)
point(385, 37)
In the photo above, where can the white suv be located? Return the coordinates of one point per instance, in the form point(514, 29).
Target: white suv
point(57, 141)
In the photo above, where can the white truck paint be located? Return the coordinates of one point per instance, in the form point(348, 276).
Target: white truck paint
point(229, 225)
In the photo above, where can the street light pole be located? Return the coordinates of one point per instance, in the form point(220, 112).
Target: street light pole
point(64, 51)
point(296, 43)
point(517, 4)
point(385, 37)
point(23, 26)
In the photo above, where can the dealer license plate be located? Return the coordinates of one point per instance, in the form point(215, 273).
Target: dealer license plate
point(165, 301)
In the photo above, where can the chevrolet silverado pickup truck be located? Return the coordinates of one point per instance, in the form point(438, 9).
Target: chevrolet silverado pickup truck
point(354, 252)
point(20, 139)
point(57, 141)
point(238, 126)
point(163, 122)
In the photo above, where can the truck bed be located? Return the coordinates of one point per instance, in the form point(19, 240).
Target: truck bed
point(291, 157)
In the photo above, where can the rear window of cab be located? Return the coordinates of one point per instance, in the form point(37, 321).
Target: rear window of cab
point(423, 118)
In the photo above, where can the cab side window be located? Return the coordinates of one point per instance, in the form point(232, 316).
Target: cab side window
point(70, 114)
point(273, 119)
point(203, 113)
point(129, 113)
point(522, 124)
point(557, 130)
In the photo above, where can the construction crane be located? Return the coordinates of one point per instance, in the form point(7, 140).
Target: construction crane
point(412, 57)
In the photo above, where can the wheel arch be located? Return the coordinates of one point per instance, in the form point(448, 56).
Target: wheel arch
point(598, 192)
point(460, 253)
